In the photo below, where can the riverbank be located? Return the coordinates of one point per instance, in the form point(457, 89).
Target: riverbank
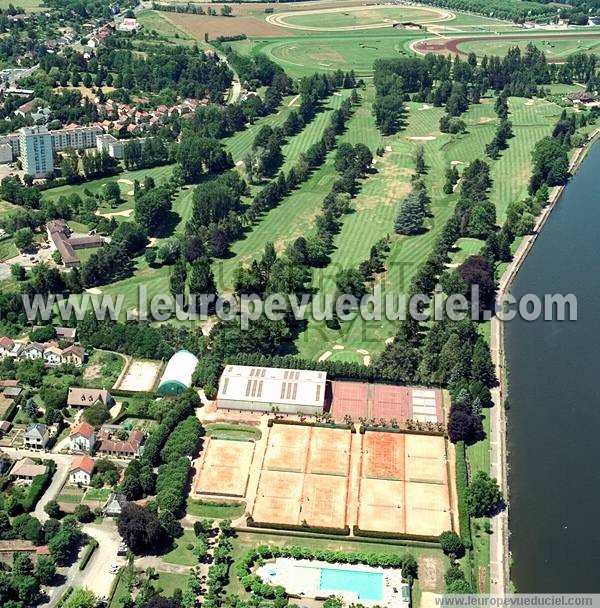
point(499, 545)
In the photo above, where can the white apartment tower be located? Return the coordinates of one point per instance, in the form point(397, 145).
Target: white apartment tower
point(36, 151)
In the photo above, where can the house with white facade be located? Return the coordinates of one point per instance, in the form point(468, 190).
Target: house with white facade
point(33, 350)
point(36, 437)
point(82, 438)
point(81, 470)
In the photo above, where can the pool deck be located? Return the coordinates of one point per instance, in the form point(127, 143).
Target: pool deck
point(301, 578)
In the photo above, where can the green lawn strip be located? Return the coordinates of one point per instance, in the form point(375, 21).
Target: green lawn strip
point(214, 511)
point(248, 540)
point(221, 429)
point(464, 248)
point(180, 554)
point(121, 592)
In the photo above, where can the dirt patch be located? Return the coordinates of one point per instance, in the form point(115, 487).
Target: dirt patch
point(93, 372)
point(332, 56)
point(423, 138)
point(431, 573)
point(140, 376)
point(198, 25)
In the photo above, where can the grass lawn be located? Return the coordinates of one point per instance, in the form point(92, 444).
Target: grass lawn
point(97, 494)
point(8, 249)
point(70, 494)
point(305, 52)
point(464, 248)
point(220, 429)
point(29, 6)
point(169, 582)
point(247, 540)
point(181, 554)
point(216, 511)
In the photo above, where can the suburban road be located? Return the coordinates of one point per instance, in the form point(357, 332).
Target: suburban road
point(63, 461)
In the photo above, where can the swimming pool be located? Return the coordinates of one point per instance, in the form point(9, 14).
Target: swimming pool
point(367, 585)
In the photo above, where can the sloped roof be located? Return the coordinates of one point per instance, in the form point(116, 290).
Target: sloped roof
point(83, 463)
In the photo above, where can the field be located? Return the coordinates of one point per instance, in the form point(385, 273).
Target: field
point(140, 376)
point(30, 6)
point(223, 468)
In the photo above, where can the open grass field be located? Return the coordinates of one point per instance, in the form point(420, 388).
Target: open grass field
point(155, 21)
point(304, 54)
point(30, 6)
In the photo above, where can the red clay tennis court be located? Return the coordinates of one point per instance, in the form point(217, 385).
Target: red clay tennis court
point(392, 402)
point(287, 448)
point(224, 468)
point(349, 399)
point(383, 456)
point(329, 451)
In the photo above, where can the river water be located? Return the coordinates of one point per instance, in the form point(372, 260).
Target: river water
point(554, 388)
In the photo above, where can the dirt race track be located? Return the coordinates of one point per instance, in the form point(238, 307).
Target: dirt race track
point(431, 15)
point(450, 46)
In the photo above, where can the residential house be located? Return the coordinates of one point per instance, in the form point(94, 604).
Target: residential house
point(7, 347)
point(81, 470)
point(66, 333)
point(26, 470)
point(128, 448)
point(114, 505)
point(11, 392)
point(85, 397)
point(82, 438)
point(5, 427)
point(10, 548)
point(33, 350)
point(36, 437)
point(74, 355)
point(53, 355)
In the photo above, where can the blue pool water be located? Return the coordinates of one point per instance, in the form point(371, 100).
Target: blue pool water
point(368, 585)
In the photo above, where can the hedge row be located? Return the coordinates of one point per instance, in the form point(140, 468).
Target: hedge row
point(64, 597)
point(315, 529)
point(389, 429)
point(38, 486)
point(462, 482)
point(396, 535)
point(89, 551)
point(323, 425)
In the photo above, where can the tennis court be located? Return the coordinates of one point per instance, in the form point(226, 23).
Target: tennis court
point(329, 452)
point(224, 468)
point(278, 497)
point(383, 456)
point(287, 448)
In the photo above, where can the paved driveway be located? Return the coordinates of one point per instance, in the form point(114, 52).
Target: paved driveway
point(96, 576)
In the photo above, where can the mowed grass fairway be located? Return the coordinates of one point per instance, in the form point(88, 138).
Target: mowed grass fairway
point(376, 205)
